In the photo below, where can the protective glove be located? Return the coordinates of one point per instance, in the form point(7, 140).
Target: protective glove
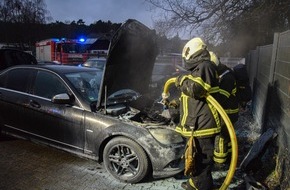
point(198, 91)
point(178, 80)
point(165, 95)
point(165, 102)
point(173, 104)
point(164, 99)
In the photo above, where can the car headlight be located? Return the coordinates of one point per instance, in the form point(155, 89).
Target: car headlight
point(166, 136)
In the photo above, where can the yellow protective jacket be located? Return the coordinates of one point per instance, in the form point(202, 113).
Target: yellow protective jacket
point(195, 112)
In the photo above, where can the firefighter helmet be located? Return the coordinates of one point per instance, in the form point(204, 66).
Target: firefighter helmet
point(193, 48)
point(214, 58)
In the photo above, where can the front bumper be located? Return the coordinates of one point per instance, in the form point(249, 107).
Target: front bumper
point(168, 162)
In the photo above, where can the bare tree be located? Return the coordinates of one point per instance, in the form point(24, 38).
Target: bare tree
point(24, 11)
point(193, 15)
point(222, 21)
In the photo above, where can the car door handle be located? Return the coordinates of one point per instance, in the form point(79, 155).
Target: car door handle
point(34, 104)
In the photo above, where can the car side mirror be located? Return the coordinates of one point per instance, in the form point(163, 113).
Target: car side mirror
point(61, 99)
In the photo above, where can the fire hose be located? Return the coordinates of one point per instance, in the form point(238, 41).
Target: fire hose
point(230, 128)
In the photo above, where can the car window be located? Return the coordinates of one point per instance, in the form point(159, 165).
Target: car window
point(86, 83)
point(17, 79)
point(48, 85)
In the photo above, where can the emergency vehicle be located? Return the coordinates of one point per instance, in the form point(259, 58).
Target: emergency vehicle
point(63, 51)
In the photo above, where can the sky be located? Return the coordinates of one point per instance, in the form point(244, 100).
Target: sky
point(117, 11)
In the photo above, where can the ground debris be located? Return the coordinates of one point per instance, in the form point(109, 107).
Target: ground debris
point(263, 170)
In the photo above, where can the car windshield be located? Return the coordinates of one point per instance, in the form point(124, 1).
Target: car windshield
point(97, 63)
point(86, 83)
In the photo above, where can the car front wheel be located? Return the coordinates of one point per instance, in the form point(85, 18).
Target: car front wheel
point(125, 160)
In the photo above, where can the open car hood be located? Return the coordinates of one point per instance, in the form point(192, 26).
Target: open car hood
point(130, 60)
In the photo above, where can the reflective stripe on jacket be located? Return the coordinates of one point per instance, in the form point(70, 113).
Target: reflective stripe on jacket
point(228, 90)
point(196, 114)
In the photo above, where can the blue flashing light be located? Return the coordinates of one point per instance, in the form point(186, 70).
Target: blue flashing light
point(82, 40)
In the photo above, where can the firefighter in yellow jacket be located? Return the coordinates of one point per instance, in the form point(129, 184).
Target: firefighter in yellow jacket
point(197, 116)
point(229, 102)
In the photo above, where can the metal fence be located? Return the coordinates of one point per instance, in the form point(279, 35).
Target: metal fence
point(269, 70)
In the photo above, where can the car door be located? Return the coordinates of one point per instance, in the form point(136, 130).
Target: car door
point(60, 124)
point(14, 85)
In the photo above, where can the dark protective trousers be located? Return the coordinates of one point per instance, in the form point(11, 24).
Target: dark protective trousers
point(202, 178)
point(223, 146)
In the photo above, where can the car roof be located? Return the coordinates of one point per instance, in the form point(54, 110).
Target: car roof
point(11, 49)
point(56, 68)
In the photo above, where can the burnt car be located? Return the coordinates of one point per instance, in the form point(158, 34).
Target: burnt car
point(10, 57)
point(102, 114)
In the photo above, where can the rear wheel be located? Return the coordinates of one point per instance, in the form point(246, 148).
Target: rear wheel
point(125, 160)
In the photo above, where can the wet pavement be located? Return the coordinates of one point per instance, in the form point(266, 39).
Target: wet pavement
point(25, 165)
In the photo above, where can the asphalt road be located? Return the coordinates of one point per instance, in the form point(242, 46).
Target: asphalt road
point(28, 166)
point(25, 165)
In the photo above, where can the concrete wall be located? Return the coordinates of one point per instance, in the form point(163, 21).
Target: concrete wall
point(259, 77)
point(269, 70)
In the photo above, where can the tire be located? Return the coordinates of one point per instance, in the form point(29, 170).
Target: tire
point(125, 160)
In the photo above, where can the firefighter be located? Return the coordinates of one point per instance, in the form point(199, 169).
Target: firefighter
point(198, 118)
point(229, 102)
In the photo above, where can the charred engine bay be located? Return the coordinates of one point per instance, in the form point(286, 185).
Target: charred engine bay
point(143, 111)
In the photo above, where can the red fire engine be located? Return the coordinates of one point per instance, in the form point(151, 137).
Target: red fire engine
point(63, 51)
